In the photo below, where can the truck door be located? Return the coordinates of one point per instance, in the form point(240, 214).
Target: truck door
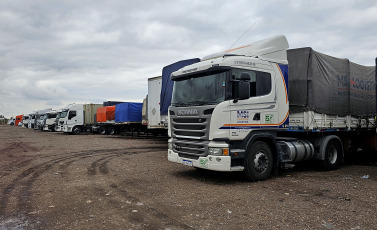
point(72, 118)
point(259, 111)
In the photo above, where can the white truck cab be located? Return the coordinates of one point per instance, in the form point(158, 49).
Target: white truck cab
point(77, 118)
point(49, 120)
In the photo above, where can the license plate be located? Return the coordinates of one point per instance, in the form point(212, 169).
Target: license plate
point(187, 162)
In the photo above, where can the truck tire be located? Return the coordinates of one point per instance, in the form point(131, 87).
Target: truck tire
point(76, 130)
point(259, 162)
point(111, 131)
point(333, 155)
point(102, 130)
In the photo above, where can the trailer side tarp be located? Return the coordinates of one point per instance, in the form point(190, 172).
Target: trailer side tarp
point(106, 113)
point(167, 84)
point(128, 112)
point(330, 85)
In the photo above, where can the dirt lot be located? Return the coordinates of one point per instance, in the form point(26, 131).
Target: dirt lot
point(57, 181)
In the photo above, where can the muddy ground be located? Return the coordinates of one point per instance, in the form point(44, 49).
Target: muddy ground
point(57, 181)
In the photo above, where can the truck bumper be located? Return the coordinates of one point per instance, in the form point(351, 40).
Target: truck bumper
point(67, 129)
point(215, 163)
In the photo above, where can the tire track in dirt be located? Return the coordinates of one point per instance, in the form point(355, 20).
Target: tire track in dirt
point(91, 170)
point(25, 180)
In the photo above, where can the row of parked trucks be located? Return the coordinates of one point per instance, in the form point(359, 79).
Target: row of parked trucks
point(112, 117)
point(256, 108)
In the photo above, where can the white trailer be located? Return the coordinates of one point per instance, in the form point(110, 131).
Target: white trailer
point(156, 122)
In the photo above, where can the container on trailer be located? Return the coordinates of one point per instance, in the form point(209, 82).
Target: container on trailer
point(105, 114)
point(90, 111)
point(128, 112)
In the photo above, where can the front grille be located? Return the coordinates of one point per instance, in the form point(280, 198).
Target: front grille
point(190, 134)
point(190, 148)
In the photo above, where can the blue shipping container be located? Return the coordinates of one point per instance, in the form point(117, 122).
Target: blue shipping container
point(167, 84)
point(128, 112)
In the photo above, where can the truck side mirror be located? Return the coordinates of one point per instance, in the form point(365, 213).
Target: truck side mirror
point(242, 87)
point(244, 90)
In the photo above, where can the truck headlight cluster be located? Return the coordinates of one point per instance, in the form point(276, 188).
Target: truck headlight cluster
point(170, 146)
point(218, 151)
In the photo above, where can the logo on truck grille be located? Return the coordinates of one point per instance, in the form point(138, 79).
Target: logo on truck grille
point(187, 112)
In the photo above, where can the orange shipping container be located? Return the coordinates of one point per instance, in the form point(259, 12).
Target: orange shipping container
point(106, 113)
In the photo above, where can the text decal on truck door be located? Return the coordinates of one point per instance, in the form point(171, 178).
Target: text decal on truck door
point(243, 116)
point(269, 118)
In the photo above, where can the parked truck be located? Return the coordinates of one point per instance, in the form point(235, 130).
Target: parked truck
point(25, 120)
point(39, 118)
point(245, 110)
point(18, 120)
point(49, 121)
point(31, 121)
point(77, 118)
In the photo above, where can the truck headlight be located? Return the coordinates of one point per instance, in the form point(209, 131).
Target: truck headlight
point(218, 151)
point(170, 146)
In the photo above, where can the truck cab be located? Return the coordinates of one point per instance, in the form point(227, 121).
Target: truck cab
point(72, 118)
point(219, 101)
point(25, 120)
point(49, 121)
point(18, 121)
point(31, 121)
point(79, 118)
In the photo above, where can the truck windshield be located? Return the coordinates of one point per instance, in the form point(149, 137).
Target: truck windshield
point(208, 89)
point(64, 114)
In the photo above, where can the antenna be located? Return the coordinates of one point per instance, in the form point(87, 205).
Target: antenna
point(240, 37)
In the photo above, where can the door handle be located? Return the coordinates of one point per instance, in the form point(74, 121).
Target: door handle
point(256, 117)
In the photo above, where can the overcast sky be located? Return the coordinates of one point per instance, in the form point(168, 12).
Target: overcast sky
point(53, 53)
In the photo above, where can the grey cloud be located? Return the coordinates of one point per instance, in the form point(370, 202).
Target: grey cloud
point(55, 53)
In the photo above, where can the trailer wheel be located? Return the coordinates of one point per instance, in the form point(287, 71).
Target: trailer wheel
point(333, 154)
point(259, 162)
point(76, 130)
point(111, 131)
point(102, 130)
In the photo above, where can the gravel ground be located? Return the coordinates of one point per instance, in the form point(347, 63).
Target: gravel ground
point(57, 181)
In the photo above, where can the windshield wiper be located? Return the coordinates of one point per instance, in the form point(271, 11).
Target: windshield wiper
point(179, 104)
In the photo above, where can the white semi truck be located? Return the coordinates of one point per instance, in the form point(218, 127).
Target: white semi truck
point(49, 120)
point(77, 118)
point(245, 110)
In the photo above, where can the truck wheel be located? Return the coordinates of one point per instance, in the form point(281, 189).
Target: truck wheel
point(259, 162)
point(111, 131)
point(76, 130)
point(102, 130)
point(333, 155)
